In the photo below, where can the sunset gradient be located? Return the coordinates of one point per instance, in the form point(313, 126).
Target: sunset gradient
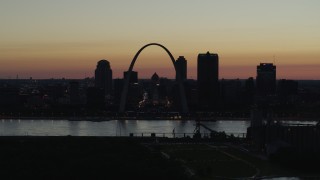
point(55, 39)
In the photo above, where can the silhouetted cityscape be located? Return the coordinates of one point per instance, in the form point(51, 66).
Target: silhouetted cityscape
point(279, 112)
point(219, 98)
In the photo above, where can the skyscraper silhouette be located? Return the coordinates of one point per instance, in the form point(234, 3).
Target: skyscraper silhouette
point(181, 65)
point(208, 80)
point(266, 79)
point(103, 76)
point(135, 90)
point(133, 76)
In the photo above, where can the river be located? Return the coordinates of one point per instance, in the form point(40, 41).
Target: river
point(117, 127)
point(114, 127)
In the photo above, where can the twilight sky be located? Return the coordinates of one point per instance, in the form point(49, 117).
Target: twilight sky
point(66, 38)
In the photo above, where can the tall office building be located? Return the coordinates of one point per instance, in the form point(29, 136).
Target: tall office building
point(103, 76)
point(266, 79)
point(208, 81)
point(133, 76)
point(135, 90)
point(181, 67)
point(118, 87)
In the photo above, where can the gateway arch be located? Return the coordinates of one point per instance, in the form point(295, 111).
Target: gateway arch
point(124, 94)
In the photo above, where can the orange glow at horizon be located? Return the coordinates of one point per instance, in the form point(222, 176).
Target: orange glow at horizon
point(80, 62)
point(55, 39)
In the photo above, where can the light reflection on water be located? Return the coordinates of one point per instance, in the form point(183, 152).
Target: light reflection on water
point(113, 128)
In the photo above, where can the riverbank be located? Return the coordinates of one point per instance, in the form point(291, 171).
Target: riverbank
point(69, 157)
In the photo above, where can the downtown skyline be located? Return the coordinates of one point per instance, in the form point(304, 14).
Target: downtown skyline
point(55, 39)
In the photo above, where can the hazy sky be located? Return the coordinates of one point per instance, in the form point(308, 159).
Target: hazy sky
point(66, 38)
